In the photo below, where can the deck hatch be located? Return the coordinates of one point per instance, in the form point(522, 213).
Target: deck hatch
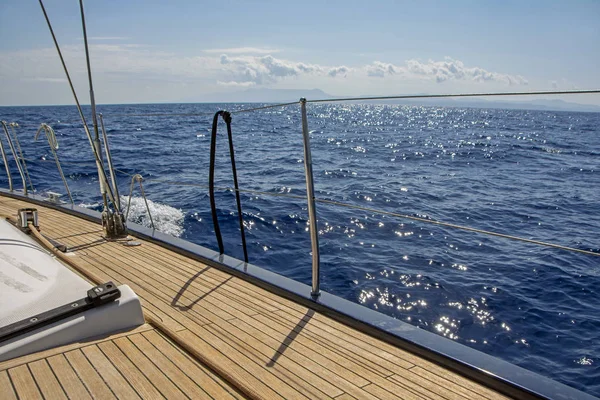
point(96, 296)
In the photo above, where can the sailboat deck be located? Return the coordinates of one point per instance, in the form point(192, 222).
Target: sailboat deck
point(278, 348)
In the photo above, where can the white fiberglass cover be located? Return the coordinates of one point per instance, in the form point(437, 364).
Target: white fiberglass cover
point(31, 281)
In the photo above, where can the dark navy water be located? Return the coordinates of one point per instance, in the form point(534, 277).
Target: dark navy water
point(533, 174)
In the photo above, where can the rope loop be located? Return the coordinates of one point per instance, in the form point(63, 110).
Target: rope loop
point(211, 181)
point(50, 135)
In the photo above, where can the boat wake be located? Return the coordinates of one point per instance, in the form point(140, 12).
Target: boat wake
point(166, 219)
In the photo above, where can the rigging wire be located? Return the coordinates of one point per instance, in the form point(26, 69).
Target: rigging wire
point(79, 109)
point(12, 126)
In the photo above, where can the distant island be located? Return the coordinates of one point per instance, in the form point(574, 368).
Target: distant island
point(264, 95)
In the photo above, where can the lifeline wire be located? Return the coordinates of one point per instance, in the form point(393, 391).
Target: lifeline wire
point(393, 214)
point(434, 96)
point(465, 228)
point(202, 114)
point(341, 99)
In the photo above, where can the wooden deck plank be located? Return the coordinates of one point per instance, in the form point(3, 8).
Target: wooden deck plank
point(375, 378)
point(147, 367)
point(391, 394)
point(220, 341)
point(245, 377)
point(344, 396)
point(279, 348)
point(448, 383)
point(428, 389)
point(142, 386)
point(233, 391)
point(363, 346)
point(67, 377)
point(349, 372)
point(435, 372)
point(164, 283)
point(158, 306)
point(342, 377)
point(58, 350)
point(23, 383)
point(198, 373)
point(7, 387)
point(278, 364)
point(46, 381)
point(88, 375)
point(185, 384)
point(111, 375)
point(339, 348)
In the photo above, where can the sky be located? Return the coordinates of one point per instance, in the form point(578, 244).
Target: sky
point(148, 51)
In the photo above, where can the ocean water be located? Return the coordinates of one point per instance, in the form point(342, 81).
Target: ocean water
point(533, 174)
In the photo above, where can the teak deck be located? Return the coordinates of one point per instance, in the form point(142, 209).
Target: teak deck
point(278, 348)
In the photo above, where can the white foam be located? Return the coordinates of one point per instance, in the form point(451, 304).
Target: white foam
point(166, 219)
point(90, 205)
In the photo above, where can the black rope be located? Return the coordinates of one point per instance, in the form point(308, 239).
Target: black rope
point(227, 119)
point(211, 181)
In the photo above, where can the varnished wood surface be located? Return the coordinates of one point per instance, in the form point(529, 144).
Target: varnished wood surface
point(277, 347)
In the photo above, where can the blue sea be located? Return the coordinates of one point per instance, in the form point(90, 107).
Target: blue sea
point(532, 174)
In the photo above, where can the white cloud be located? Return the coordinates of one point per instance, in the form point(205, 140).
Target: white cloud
point(107, 38)
point(341, 70)
point(224, 59)
point(130, 72)
point(563, 84)
point(451, 69)
point(242, 50)
point(380, 70)
point(264, 69)
point(236, 84)
point(309, 68)
point(51, 80)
